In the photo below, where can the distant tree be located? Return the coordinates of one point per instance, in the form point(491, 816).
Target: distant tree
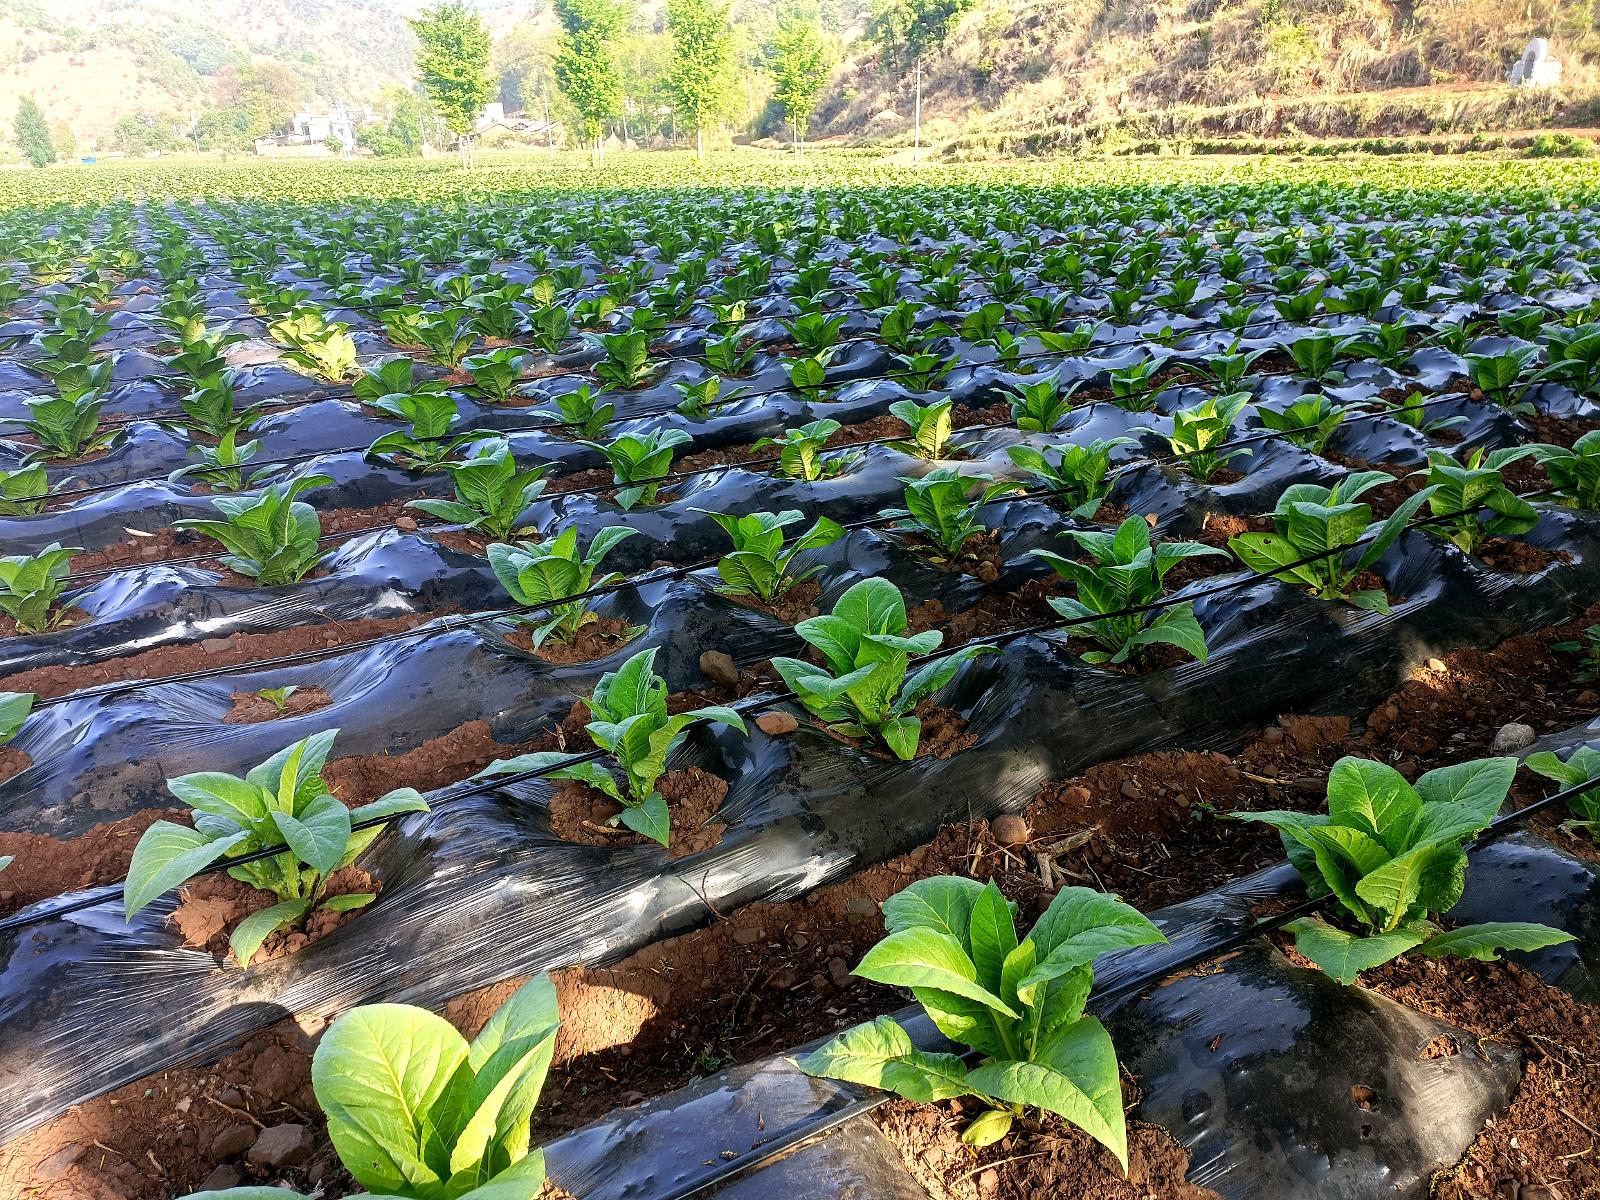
point(908, 29)
point(453, 53)
point(701, 68)
point(522, 62)
point(33, 135)
point(801, 60)
point(586, 64)
point(141, 132)
point(66, 142)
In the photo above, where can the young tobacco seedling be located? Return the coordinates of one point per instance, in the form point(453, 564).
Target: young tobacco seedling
point(864, 691)
point(1391, 854)
point(923, 371)
point(1077, 474)
point(929, 425)
point(940, 510)
point(66, 426)
point(1412, 410)
point(1042, 405)
point(581, 413)
point(278, 697)
point(1501, 377)
point(1588, 647)
point(1574, 473)
point(1126, 571)
point(1308, 423)
point(808, 376)
point(626, 364)
point(273, 537)
point(428, 444)
point(639, 462)
point(1581, 766)
point(31, 586)
point(1019, 1004)
point(494, 373)
point(491, 493)
point(699, 400)
point(1309, 520)
point(282, 802)
point(631, 724)
point(221, 467)
point(759, 563)
point(800, 451)
point(547, 574)
point(23, 491)
point(1200, 430)
point(1461, 493)
point(322, 347)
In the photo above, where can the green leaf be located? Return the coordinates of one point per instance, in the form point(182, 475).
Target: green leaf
point(1344, 955)
point(319, 834)
point(1074, 1075)
point(378, 1073)
point(924, 958)
point(943, 903)
point(1483, 941)
point(349, 901)
point(166, 856)
point(882, 1055)
point(1374, 798)
point(257, 927)
point(1080, 925)
point(650, 819)
point(993, 935)
point(1478, 788)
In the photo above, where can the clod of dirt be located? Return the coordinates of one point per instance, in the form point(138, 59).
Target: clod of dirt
point(776, 724)
point(719, 667)
point(1010, 830)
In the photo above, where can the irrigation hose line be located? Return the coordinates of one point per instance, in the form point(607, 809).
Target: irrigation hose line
point(764, 701)
point(340, 390)
point(449, 624)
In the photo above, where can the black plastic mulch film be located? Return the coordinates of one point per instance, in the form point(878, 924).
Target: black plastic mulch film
point(480, 890)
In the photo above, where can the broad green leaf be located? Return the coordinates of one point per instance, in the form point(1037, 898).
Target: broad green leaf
point(1343, 955)
point(882, 1055)
point(993, 935)
point(924, 958)
point(1074, 1075)
point(166, 856)
point(650, 819)
point(943, 904)
point(1374, 798)
point(1483, 941)
point(257, 927)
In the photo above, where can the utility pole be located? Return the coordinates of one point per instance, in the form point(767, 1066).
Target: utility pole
point(916, 148)
point(549, 130)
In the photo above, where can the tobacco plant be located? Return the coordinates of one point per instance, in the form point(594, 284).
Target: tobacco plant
point(273, 537)
point(760, 562)
point(1574, 473)
point(494, 373)
point(632, 725)
point(1041, 406)
point(322, 347)
point(1077, 474)
point(221, 466)
point(800, 451)
point(1391, 855)
point(1460, 494)
point(626, 364)
point(1581, 766)
point(1124, 572)
point(548, 574)
point(428, 443)
point(31, 586)
point(1308, 423)
point(929, 425)
point(67, 426)
point(942, 508)
point(1316, 535)
point(863, 690)
point(1019, 1005)
point(580, 413)
point(23, 491)
point(491, 493)
point(283, 802)
point(14, 710)
point(1200, 432)
point(639, 462)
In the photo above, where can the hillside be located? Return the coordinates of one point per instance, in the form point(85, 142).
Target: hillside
point(1033, 65)
point(91, 62)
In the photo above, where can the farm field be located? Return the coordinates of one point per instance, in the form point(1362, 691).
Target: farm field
point(664, 622)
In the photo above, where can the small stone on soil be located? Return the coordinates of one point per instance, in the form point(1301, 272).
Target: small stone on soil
point(225, 1176)
point(281, 1146)
point(1511, 738)
point(775, 724)
point(719, 668)
point(1010, 830)
point(235, 1139)
point(59, 1163)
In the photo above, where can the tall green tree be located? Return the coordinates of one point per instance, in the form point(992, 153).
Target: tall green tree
point(701, 68)
point(801, 60)
point(908, 29)
point(586, 64)
point(33, 135)
point(453, 54)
